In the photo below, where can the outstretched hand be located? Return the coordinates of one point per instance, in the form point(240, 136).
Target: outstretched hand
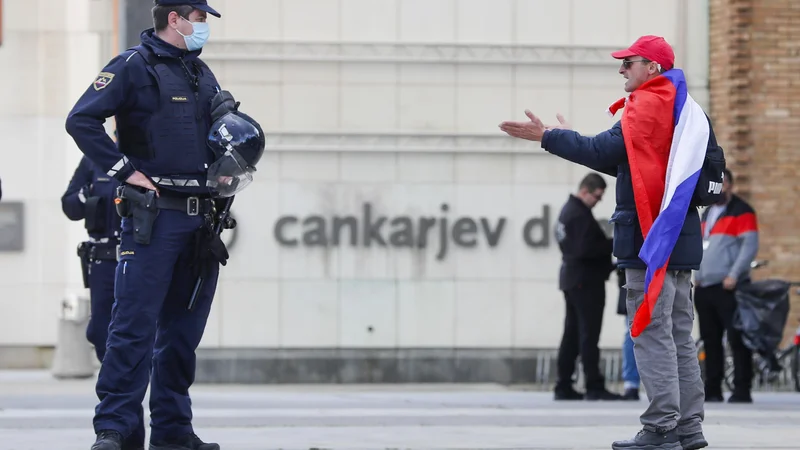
point(562, 124)
point(532, 130)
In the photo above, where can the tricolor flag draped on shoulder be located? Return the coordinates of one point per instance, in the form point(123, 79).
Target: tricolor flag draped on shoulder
point(666, 135)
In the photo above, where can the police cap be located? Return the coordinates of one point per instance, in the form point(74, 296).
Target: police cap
point(202, 5)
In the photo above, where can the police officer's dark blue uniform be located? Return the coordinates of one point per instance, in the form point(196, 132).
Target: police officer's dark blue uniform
point(90, 197)
point(160, 94)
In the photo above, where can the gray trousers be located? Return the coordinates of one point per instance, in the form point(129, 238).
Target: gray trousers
point(666, 355)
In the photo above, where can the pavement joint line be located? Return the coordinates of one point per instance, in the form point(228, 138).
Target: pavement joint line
point(282, 412)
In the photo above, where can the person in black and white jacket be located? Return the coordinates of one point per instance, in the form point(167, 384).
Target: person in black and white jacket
point(730, 244)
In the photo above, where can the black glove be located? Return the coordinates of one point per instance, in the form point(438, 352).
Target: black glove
point(222, 104)
point(208, 247)
point(217, 250)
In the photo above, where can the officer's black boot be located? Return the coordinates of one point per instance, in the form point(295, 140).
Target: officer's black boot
point(131, 445)
point(188, 442)
point(108, 440)
point(649, 440)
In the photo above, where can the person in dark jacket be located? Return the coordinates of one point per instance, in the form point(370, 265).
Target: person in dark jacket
point(666, 355)
point(585, 267)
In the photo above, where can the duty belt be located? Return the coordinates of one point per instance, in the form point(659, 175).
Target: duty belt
point(192, 206)
point(98, 252)
point(102, 253)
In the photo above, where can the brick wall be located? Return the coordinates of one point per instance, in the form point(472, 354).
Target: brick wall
point(755, 106)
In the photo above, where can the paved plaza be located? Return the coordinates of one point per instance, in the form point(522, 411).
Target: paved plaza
point(38, 412)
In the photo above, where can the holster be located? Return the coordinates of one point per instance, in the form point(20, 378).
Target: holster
point(95, 215)
point(141, 206)
point(84, 249)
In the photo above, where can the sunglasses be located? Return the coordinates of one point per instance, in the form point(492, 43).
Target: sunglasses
point(627, 63)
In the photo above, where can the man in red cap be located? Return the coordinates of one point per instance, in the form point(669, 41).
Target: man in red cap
point(662, 316)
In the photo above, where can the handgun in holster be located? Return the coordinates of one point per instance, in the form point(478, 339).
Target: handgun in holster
point(121, 202)
point(84, 253)
point(141, 206)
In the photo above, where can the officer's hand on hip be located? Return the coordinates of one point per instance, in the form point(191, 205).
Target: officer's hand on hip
point(139, 179)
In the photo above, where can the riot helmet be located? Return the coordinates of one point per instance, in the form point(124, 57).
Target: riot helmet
point(238, 143)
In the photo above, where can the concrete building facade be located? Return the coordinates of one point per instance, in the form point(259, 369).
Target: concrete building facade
point(389, 213)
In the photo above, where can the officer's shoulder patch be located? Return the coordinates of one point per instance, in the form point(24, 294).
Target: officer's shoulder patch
point(103, 79)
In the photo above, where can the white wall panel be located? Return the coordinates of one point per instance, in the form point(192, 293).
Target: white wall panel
point(250, 314)
point(543, 22)
point(369, 20)
point(368, 314)
point(314, 20)
point(482, 22)
point(427, 21)
point(309, 315)
point(601, 23)
point(426, 314)
point(484, 314)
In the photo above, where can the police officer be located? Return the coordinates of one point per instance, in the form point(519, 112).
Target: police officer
point(90, 197)
point(166, 101)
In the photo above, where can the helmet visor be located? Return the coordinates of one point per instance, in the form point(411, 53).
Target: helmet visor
point(230, 174)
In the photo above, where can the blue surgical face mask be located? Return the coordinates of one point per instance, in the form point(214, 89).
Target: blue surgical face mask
point(199, 36)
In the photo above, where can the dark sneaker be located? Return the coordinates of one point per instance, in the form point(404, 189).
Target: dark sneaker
point(108, 440)
point(714, 398)
point(694, 441)
point(649, 440)
point(567, 394)
point(188, 442)
point(631, 394)
point(602, 394)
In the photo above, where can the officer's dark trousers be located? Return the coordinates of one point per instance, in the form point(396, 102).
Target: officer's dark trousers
point(153, 287)
point(715, 309)
point(101, 290)
point(582, 324)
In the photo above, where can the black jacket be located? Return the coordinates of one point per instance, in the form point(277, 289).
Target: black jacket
point(622, 301)
point(606, 153)
point(585, 248)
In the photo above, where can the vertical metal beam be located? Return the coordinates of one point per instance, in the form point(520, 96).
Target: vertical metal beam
point(1, 22)
point(138, 17)
point(118, 24)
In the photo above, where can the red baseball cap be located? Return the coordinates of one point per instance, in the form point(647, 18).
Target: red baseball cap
point(654, 48)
